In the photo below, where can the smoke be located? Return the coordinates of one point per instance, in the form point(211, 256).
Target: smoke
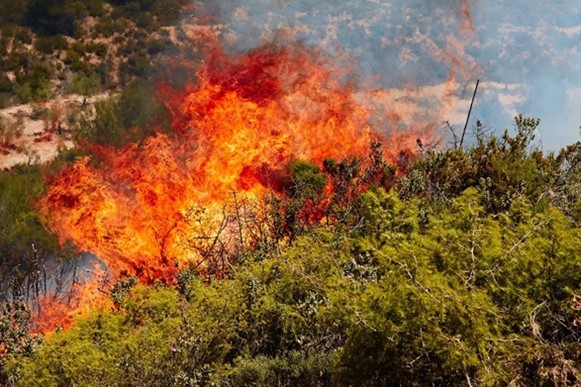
point(413, 46)
point(398, 41)
point(274, 82)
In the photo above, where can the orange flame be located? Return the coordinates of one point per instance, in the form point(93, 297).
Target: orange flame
point(58, 309)
point(236, 129)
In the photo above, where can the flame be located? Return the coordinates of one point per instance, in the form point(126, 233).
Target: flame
point(59, 308)
point(142, 208)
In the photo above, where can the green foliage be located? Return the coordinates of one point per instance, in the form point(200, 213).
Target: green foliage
point(294, 369)
point(6, 84)
point(120, 290)
point(139, 108)
point(105, 26)
point(467, 271)
point(23, 92)
point(155, 46)
point(132, 347)
point(165, 11)
point(307, 181)
point(137, 65)
point(13, 61)
point(15, 336)
point(74, 59)
point(9, 131)
point(13, 12)
point(130, 117)
point(34, 83)
point(567, 189)
point(20, 222)
point(16, 35)
point(456, 296)
point(502, 169)
point(53, 17)
point(48, 44)
point(105, 129)
point(98, 49)
point(85, 85)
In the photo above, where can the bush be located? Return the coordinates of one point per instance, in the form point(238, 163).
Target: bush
point(23, 91)
point(155, 46)
point(145, 20)
point(35, 84)
point(6, 85)
point(20, 222)
point(138, 65)
point(105, 26)
point(14, 61)
point(98, 49)
point(48, 44)
point(388, 301)
point(6, 99)
point(13, 12)
point(85, 85)
point(133, 116)
point(23, 35)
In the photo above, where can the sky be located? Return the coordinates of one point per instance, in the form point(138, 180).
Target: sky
point(526, 53)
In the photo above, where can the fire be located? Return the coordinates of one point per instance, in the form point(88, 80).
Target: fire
point(59, 308)
point(142, 208)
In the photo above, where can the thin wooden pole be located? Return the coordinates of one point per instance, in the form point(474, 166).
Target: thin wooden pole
point(469, 111)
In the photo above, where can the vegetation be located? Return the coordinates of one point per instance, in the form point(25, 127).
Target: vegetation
point(457, 267)
point(21, 230)
point(461, 270)
point(130, 117)
point(89, 46)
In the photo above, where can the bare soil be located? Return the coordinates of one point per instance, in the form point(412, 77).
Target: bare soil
point(38, 130)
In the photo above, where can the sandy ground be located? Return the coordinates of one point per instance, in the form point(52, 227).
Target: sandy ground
point(42, 128)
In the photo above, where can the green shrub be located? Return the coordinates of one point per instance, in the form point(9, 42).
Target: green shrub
point(23, 35)
point(105, 26)
point(384, 302)
point(20, 222)
point(6, 85)
point(145, 20)
point(14, 61)
point(98, 49)
point(13, 12)
point(155, 46)
point(23, 91)
point(85, 85)
point(48, 44)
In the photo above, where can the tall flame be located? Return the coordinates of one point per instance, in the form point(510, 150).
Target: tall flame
point(236, 127)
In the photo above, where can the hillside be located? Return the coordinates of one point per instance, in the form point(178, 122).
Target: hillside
point(178, 212)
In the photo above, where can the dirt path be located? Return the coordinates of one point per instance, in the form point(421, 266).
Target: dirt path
point(34, 132)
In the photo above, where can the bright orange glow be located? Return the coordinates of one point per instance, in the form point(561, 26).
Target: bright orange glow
point(52, 310)
point(236, 129)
